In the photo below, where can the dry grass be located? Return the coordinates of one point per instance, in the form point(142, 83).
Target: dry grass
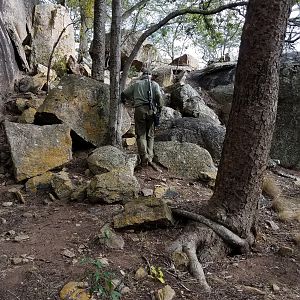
point(270, 188)
point(278, 204)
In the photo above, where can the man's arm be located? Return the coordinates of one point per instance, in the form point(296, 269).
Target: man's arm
point(158, 97)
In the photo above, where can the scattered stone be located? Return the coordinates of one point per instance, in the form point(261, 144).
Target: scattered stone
point(17, 260)
point(110, 239)
point(141, 273)
point(285, 251)
point(75, 291)
point(7, 204)
point(104, 261)
point(3, 259)
point(125, 290)
point(80, 193)
point(11, 232)
point(107, 158)
point(144, 211)
point(37, 149)
point(167, 293)
point(160, 191)
point(129, 141)
point(117, 185)
point(147, 192)
point(272, 224)
point(27, 116)
point(275, 287)
point(3, 221)
point(62, 185)
point(21, 237)
point(42, 182)
point(68, 253)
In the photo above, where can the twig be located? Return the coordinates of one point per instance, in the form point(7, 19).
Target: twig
point(52, 53)
point(13, 294)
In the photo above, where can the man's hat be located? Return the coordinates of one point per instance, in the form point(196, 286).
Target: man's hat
point(146, 71)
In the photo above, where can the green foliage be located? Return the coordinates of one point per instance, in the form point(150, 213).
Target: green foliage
point(100, 280)
point(60, 67)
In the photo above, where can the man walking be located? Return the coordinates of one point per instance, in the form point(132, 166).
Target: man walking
point(147, 99)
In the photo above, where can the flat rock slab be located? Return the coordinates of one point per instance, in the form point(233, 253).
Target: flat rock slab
point(144, 211)
point(37, 149)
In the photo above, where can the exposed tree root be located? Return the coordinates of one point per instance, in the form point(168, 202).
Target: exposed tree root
point(209, 239)
point(227, 235)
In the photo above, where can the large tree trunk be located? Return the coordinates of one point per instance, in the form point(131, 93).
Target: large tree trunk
point(252, 119)
point(115, 67)
point(98, 47)
point(230, 213)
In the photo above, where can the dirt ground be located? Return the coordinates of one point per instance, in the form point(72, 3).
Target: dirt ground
point(34, 268)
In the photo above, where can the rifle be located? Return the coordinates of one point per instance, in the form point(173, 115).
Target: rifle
point(152, 105)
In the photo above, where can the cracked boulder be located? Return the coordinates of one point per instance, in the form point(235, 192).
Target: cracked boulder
point(37, 149)
point(81, 103)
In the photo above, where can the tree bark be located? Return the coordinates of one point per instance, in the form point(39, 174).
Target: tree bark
point(163, 22)
point(115, 67)
point(98, 48)
point(252, 118)
point(83, 42)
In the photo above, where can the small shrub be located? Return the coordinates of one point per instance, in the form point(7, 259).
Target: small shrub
point(100, 280)
point(270, 188)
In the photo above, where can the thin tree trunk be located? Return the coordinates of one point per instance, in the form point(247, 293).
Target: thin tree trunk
point(83, 43)
point(252, 119)
point(115, 67)
point(98, 48)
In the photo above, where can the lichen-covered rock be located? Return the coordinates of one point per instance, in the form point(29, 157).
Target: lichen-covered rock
point(39, 182)
point(81, 103)
point(75, 291)
point(189, 102)
point(48, 23)
point(27, 116)
point(109, 238)
point(145, 211)
point(194, 130)
point(114, 186)
point(184, 159)
point(107, 158)
point(168, 113)
point(166, 293)
point(37, 149)
point(62, 185)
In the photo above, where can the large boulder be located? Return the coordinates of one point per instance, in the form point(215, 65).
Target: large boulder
point(218, 80)
point(37, 149)
point(107, 158)
point(193, 130)
point(114, 186)
point(184, 159)
point(49, 21)
point(286, 137)
point(189, 102)
point(81, 103)
point(15, 26)
point(146, 211)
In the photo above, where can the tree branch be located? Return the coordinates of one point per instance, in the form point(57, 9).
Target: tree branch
point(164, 21)
point(128, 12)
